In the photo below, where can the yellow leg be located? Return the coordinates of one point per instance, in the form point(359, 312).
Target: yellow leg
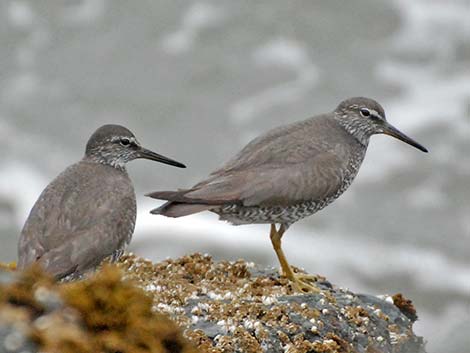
point(300, 281)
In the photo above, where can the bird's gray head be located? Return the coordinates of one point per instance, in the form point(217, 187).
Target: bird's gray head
point(114, 145)
point(363, 117)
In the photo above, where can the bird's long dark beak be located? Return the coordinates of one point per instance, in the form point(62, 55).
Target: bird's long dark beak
point(147, 154)
point(392, 131)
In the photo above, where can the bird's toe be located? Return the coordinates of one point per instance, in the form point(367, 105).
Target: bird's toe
point(304, 283)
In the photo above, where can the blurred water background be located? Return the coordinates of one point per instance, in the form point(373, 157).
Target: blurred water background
point(196, 80)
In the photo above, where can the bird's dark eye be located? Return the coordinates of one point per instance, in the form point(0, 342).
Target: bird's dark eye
point(125, 141)
point(365, 112)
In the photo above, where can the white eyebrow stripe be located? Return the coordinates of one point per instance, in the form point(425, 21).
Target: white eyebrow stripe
point(132, 140)
point(375, 113)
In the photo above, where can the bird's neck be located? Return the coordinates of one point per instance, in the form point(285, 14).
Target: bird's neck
point(110, 162)
point(355, 126)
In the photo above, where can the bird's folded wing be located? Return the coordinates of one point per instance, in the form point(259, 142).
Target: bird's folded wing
point(85, 243)
point(316, 178)
point(63, 226)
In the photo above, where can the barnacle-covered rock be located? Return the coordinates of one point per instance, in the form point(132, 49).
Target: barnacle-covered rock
point(238, 307)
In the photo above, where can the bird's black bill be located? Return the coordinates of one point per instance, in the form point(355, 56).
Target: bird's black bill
point(147, 154)
point(392, 131)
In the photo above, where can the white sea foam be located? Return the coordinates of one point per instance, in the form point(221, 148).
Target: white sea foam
point(20, 14)
point(198, 17)
point(21, 86)
point(20, 185)
point(430, 90)
point(431, 94)
point(84, 12)
point(27, 50)
point(432, 26)
point(285, 54)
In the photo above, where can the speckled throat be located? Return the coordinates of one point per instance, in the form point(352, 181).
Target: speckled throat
point(238, 215)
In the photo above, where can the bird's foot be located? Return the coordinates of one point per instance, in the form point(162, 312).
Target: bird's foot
point(305, 277)
point(304, 283)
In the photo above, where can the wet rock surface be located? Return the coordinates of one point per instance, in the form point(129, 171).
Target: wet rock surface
point(219, 306)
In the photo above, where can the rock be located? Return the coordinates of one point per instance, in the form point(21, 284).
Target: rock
point(238, 307)
point(102, 313)
point(221, 306)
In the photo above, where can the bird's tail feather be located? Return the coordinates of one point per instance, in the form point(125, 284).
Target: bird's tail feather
point(176, 209)
point(168, 195)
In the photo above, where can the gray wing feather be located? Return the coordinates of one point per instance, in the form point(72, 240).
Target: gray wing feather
point(275, 185)
point(79, 219)
point(85, 249)
point(283, 167)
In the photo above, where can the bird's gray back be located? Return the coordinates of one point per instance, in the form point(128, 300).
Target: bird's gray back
point(292, 143)
point(89, 209)
point(308, 160)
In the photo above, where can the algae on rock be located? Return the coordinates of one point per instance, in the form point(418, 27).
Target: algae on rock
point(100, 314)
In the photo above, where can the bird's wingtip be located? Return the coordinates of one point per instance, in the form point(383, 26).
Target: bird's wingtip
point(153, 194)
point(155, 211)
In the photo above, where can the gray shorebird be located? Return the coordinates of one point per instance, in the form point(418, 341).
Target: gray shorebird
point(88, 212)
point(288, 173)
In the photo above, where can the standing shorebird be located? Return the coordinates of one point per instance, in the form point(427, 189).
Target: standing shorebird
point(287, 174)
point(88, 212)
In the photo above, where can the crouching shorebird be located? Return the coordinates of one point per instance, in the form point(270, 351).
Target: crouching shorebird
point(88, 212)
point(287, 174)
